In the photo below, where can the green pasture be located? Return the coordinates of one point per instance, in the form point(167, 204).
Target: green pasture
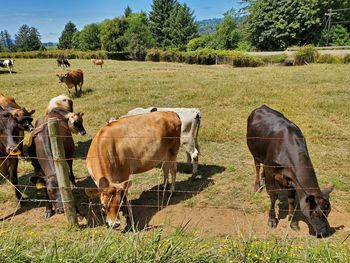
point(315, 97)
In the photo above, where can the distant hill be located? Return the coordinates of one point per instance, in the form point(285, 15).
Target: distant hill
point(208, 25)
point(50, 45)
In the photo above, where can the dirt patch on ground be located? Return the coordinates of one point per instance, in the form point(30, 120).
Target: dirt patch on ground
point(206, 221)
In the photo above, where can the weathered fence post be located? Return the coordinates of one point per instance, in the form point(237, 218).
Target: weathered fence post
point(62, 171)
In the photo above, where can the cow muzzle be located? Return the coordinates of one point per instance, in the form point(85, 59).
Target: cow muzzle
point(113, 224)
point(13, 151)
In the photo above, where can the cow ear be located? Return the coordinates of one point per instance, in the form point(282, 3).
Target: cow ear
point(93, 192)
point(81, 114)
point(57, 75)
point(31, 112)
point(123, 186)
point(153, 109)
point(327, 191)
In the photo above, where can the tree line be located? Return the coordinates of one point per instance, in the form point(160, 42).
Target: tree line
point(259, 25)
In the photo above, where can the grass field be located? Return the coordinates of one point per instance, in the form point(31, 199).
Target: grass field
point(315, 97)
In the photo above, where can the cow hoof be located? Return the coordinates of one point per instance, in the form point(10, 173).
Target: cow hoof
point(295, 226)
point(60, 210)
point(49, 213)
point(273, 222)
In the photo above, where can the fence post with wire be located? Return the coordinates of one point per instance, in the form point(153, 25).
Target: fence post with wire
point(62, 171)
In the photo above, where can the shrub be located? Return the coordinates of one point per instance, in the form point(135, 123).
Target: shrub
point(347, 59)
point(120, 55)
point(243, 60)
point(280, 58)
point(153, 54)
point(305, 55)
point(329, 59)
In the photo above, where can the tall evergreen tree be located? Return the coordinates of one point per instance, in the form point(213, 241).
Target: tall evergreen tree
point(180, 27)
point(65, 40)
point(2, 41)
point(27, 39)
point(127, 11)
point(161, 10)
point(8, 41)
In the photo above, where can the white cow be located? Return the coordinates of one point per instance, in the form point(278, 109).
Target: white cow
point(7, 64)
point(190, 122)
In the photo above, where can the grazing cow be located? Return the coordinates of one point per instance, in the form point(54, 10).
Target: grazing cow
point(131, 145)
point(97, 62)
point(41, 154)
point(63, 62)
point(62, 102)
point(72, 79)
point(280, 146)
point(9, 151)
point(190, 122)
point(8, 63)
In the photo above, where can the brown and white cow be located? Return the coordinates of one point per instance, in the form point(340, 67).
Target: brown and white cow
point(279, 145)
point(61, 102)
point(131, 145)
point(72, 78)
point(97, 62)
point(190, 123)
point(40, 150)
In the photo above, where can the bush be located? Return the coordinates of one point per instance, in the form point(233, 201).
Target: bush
point(305, 55)
point(274, 58)
point(120, 55)
point(329, 59)
point(347, 59)
point(68, 53)
point(243, 60)
point(153, 54)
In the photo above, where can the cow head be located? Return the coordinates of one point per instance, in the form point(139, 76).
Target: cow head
point(62, 77)
point(62, 102)
point(9, 130)
point(111, 197)
point(316, 210)
point(75, 122)
point(24, 118)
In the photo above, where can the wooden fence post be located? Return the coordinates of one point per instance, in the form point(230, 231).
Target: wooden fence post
point(62, 171)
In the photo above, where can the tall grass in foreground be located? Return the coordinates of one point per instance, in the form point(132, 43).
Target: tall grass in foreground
point(104, 245)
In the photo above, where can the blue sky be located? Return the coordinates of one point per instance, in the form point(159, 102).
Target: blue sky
point(49, 17)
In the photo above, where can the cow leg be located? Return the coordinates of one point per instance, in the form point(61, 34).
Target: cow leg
point(173, 176)
point(14, 178)
point(258, 184)
point(76, 90)
point(271, 190)
point(165, 169)
point(49, 210)
point(291, 199)
point(71, 175)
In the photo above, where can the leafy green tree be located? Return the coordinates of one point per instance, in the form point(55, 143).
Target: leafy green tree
point(227, 34)
point(27, 39)
point(200, 42)
point(138, 35)
point(337, 36)
point(111, 34)
point(180, 27)
point(161, 10)
point(277, 24)
point(88, 38)
point(65, 40)
point(76, 40)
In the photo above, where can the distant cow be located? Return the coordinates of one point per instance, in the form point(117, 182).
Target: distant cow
point(63, 62)
point(8, 63)
point(190, 123)
point(41, 154)
point(131, 145)
point(9, 150)
point(97, 62)
point(72, 79)
point(279, 145)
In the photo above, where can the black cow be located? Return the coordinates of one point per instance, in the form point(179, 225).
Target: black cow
point(280, 146)
point(63, 62)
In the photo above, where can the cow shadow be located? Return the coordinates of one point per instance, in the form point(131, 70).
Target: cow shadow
point(31, 195)
point(7, 72)
point(82, 148)
point(150, 201)
point(79, 94)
